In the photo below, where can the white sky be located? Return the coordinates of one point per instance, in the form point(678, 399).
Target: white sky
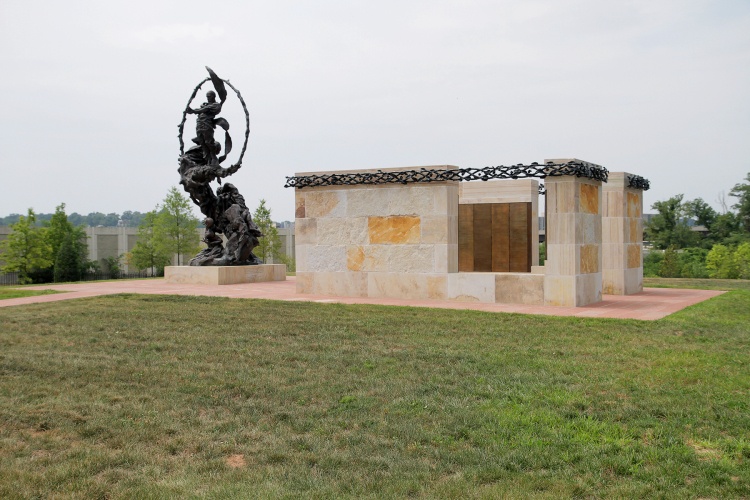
point(93, 91)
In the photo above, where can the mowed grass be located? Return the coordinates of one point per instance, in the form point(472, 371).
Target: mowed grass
point(14, 293)
point(703, 284)
point(167, 397)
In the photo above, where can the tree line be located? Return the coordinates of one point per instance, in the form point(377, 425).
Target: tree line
point(721, 249)
point(55, 249)
point(93, 219)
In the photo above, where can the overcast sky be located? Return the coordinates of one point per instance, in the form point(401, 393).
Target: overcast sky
point(93, 91)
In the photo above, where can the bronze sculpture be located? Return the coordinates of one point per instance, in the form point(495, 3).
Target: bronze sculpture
point(225, 210)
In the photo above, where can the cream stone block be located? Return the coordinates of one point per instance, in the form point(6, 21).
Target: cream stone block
point(633, 281)
point(446, 259)
point(435, 229)
point(388, 201)
point(326, 258)
point(406, 286)
point(588, 229)
point(344, 284)
point(411, 258)
point(306, 231)
point(224, 275)
point(559, 291)
point(325, 202)
point(342, 231)
point(566, 194)
point(519, 288)
point(562, 228)
point(471, 287)
point(501, 191)
point(537, 270)
point(445, 199)
point(300, 257)
point(613, 204)
point(613, 282)
point(613, 256)
point(304, 282)
point(561, 259)
point(588, 289)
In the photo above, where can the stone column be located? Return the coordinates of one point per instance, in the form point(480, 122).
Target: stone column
point(573, 271)
point(622, 236)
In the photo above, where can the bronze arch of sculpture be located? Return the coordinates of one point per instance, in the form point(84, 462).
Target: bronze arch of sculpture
point(226, 212)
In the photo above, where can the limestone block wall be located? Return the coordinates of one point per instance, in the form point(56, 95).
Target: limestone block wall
point(622, 236)
point(387, 240)
point(573, 270)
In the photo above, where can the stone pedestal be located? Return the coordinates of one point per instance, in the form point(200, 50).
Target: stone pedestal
point(224, 275)
point(622, 236)
point(573, 270)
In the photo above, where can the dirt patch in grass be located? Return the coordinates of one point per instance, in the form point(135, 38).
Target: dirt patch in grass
point(236, 461)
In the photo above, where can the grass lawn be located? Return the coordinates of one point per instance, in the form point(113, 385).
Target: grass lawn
point(703, 284)
point(168, 397)
point(12, 293)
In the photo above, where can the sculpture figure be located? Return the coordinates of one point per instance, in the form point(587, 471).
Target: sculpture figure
point(225, 210)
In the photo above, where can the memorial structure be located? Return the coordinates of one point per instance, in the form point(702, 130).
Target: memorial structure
point(450, 233)
point(225, 210)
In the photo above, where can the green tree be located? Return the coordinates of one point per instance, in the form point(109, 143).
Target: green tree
point(742, 193)
point(693, 263)
point(670, 266)
point(176, 226)
point(149, 251)
point(269, 247)
point(58, 230)
point(720, 263)
point(669, 226)
point(26, 249)
point(742, 261)
point(67, 263)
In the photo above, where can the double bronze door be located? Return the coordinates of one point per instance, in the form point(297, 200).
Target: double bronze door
point(494, 237)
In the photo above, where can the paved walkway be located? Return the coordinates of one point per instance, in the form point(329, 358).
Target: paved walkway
point(651, 304)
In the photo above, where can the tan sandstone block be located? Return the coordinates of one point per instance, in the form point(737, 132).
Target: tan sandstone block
point(588, 229)
point(613, 282)
point(589, 198)
point(394, 230)
point(588, 289)
point(634, 204)
point(355, 257)
point(634, 255)
point(634, 231)
point(633, 281)
point(519, 288)
point(589, 259)
point(325, 203)
point(299, 204)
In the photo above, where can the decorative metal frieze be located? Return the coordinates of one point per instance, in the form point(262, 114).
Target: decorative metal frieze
point(542, 189)
point(638, 182)
point(534, 170)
